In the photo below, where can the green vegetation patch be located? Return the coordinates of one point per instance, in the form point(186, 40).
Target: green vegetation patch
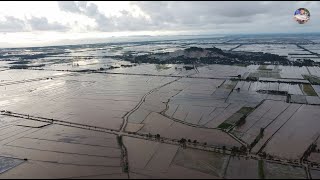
point(257, 139)
point(160, 67)
point(308, 89)
point(245, 110)
point(235, 119)
point(225, 125)
point(119, 140)
point(312, 79)
point(261, 169)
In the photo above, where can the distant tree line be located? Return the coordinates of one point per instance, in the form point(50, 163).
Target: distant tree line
point(221, 57)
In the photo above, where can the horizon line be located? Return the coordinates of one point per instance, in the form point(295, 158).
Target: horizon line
point(144, 36)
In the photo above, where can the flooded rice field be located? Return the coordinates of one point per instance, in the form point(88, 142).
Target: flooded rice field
point(204, 110)
point(81, 112)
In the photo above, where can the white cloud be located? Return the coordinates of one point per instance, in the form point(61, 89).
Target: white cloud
point(42, 24)
point(12, 24)
point(79, 19)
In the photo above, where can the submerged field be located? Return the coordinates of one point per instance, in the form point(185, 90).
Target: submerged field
point(82, 112)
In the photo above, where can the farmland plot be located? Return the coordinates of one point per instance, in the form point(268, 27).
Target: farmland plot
point(154, 159)
point(279, 171)
point(315, 174)
point(315, 71)
point(246, 98)
point(262, 117)
point(19, 75)
point(275, 126)
point(88, 99)
point(206, 101)
point(61, 152)
point(316, 89)
point(295, 89)
point(313, 100)
point(293, 139)
point(158, 124)
point(282, 50)
point(264, 87)
point(241, 168)
point(154, 70)
point(300, 99)
point(314, 157)
point(220, 71)
point(313, 47)
point(206, 162)
point(293, 72)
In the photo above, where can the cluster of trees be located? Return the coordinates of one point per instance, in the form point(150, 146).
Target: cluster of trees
point(212, 50)
point(311, 148)
point(220, 57)
point(252, 78)
point(149, 135)
point(305, 62)
point(235, 150)
point(23, 66)
point(184, 141)
point(260, 58)
point(30, 56)
point(125, 163)
point(119, 139)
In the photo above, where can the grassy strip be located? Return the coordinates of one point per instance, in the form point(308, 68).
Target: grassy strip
point(257, 139)
point(261, 169)
point(245, 110)
point(225, 125)
point(308, 89)
point(231, 122)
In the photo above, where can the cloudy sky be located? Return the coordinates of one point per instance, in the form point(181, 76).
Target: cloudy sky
point(50, 23)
